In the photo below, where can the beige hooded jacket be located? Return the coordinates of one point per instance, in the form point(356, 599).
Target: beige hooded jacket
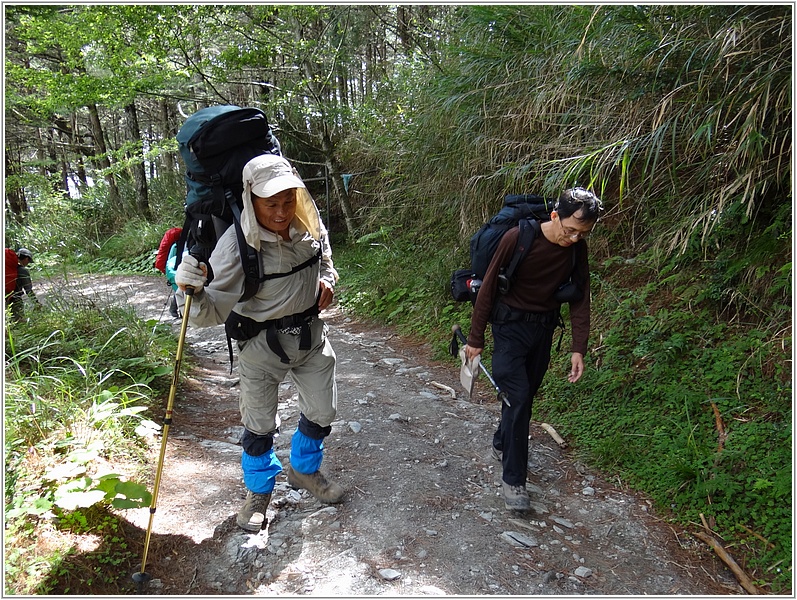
point(268, 174)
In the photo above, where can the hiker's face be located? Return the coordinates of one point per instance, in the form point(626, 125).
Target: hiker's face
point(276, 212)
point(568, 230)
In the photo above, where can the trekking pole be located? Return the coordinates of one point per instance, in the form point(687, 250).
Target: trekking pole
point(168, 300)
point(142, 578)
point(461, 336)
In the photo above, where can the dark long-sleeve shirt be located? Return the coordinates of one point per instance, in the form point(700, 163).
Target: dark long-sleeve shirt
point(538, 276)
point(24, 283)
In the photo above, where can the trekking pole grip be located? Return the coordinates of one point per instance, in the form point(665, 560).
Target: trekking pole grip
point(458, 332)
point(189, 290)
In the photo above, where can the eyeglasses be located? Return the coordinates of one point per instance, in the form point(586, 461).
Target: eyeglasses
point(574, 233)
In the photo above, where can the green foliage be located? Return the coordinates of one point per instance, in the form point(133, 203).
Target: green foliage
point(167, 200)
point(133, 265)
point(75, 231)
point(80, 379)
point(129, 251)
point(379, 282)
point(57, 226)
point(747, 264)
point(107, 54)
point(646, 411)
point(538, 98)
point(77, 395)
point(66, 570)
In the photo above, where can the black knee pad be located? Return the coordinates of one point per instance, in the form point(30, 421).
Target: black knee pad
point(313, 430)
point(255, 444)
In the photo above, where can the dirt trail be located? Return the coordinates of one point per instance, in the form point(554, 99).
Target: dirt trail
point(423, 514)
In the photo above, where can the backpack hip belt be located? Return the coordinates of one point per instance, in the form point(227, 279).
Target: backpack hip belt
point(243, 328)
point(503, 313)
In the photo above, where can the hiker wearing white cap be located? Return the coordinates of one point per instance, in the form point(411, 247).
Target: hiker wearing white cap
point(278, 330)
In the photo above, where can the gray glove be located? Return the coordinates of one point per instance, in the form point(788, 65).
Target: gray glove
point(191, 273)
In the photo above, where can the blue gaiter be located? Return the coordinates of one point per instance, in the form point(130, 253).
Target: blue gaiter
point(260, 472)
point(306, 453)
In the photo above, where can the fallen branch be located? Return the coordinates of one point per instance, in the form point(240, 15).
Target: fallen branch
point(193, 581)
point(706, 526)
point(450, 390)
point(741, 576)
point(556, 437)
point(769, 544)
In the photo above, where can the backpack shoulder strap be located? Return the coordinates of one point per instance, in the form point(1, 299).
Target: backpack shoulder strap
point(182, 241)
point(250, 263)
point(528, 231)
point(573, 261)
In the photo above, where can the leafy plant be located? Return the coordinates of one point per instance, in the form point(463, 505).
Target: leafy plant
point(70, 408)
point(677, 408)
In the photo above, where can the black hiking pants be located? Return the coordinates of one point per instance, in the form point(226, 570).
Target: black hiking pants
point(521, 355)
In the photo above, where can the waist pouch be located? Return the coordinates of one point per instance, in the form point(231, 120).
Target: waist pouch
point(241, 328)
point(568, 292)
point(503, 313)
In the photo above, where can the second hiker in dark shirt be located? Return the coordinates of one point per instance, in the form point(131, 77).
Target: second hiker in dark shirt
point(523, 321)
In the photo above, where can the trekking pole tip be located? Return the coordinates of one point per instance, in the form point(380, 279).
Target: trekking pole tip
point(142, 579)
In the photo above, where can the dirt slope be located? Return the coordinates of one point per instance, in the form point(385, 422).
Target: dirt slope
point(423, 514)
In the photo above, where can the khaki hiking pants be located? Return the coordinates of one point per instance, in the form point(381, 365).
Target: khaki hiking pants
point(312, 372)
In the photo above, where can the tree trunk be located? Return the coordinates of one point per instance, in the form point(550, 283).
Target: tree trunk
point(340, 191)
point(169, 158)
point(137, 165)
point(101, 153)
point(71, 151)
point(345, 202)
point(343, 91)
point(402, 24)
point(54, 164)
point(15, 199)
point(80, 152)
point(322, 95)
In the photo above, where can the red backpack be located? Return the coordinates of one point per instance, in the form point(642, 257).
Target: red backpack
point(11, 266)
point(170, 237)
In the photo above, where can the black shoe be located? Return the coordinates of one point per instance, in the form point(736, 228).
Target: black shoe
point(173, 308)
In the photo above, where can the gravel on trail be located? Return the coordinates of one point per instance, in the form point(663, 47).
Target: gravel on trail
point(423, 513)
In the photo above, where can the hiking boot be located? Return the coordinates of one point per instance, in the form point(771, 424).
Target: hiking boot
point(516, 497)
point(252, 516)
point(496, 453)
point(318, 485)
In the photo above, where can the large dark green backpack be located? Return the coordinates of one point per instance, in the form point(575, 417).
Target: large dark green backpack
point(215, 144)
